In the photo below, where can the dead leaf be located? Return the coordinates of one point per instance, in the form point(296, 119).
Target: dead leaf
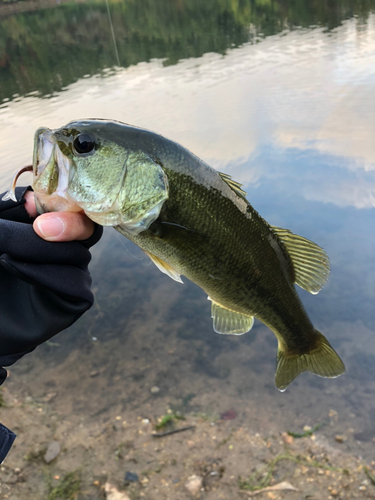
point(284, 485)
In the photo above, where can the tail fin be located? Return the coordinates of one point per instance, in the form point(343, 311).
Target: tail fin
point(321, 360)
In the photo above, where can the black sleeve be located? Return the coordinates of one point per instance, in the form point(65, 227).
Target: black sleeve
point(7, 438)
point(44, 286)
point(15, 210)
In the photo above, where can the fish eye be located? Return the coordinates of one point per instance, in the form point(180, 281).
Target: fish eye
point(83, 144)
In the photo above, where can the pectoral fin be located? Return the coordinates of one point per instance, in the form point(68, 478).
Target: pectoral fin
point(165, 268)
point(310, 261)
point(230, 322)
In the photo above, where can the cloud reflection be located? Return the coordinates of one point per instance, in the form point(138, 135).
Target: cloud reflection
point(305, 91)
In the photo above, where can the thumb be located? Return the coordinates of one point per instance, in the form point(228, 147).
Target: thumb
point(63, 226)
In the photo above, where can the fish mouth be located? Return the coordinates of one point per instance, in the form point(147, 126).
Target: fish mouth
point(51, 169)
point(43, 149)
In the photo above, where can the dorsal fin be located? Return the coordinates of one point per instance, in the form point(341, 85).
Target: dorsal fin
point(310, 261)
point(164, 267)
point(236, 186)
point(229, 322)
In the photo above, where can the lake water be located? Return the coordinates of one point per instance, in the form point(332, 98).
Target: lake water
point(282, 99)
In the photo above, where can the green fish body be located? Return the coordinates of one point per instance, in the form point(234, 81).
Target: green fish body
point(194, 221)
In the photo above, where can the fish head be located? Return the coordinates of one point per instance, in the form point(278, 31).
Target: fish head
point(94, 166)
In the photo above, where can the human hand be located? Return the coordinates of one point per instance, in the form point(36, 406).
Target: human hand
point(59, 226)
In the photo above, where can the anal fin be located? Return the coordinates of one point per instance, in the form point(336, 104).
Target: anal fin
point(164, 267)
point(230, 322)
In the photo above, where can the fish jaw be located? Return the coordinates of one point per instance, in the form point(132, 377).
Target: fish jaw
point(51, 170)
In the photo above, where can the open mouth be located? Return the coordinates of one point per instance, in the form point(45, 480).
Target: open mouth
point(51, 175)
point(43, 150)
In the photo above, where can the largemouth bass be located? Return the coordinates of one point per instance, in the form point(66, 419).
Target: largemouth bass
point(194, 221)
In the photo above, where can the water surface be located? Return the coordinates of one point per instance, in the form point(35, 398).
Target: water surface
point(281, 98)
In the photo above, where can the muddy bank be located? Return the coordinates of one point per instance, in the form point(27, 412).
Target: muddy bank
point(217, 458)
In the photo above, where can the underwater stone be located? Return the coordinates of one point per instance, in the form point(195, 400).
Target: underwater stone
point(52, 452)
point(131, 477)
point(194, 484)
point(112, 493)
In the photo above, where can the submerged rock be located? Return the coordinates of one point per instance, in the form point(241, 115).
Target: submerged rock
point(52, 452)
point(340, 438)
point(112, 493)
point(131, 477)
point(194, 484)
point(230, 414)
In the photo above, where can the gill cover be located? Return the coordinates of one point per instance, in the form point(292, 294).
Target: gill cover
point(144, 191)
point(132, 203)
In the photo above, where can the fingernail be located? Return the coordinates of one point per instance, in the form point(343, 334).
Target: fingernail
point(50, 227)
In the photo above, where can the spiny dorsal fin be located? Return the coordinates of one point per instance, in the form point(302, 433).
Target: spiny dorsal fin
point(165, 268)
point(236, 186)
point(310, 261)
point(229, 322)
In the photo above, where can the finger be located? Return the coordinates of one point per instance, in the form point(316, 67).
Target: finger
point(30, 204)
point(64, 226)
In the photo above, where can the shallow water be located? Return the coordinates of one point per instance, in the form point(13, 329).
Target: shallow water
point(281, 99)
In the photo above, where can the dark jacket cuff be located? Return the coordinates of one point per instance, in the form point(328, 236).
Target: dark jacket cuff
point(15, 210)
point(7, 438)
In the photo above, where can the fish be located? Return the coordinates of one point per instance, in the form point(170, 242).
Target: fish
point(194, 221)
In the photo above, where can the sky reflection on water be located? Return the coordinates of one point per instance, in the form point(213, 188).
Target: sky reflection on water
point(305, 91)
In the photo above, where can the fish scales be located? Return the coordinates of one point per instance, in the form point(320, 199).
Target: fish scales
point(230, 257)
